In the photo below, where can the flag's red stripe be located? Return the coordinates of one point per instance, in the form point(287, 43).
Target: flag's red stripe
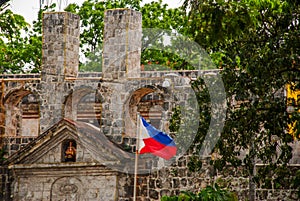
point(158, 149)
point(167, 153)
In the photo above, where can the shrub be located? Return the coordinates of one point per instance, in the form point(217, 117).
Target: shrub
point(210, 193)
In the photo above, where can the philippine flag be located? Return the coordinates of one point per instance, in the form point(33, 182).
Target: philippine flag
point(155, 141)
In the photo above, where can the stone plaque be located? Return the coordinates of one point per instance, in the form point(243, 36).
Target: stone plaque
point(67, 189)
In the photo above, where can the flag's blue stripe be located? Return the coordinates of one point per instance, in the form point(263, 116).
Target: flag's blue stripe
point(158, 135)
point(164, 139)
point(151, 130)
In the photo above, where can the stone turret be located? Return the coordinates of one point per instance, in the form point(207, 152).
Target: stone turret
point(60, 52)
point(122, 44)
point(60, 44)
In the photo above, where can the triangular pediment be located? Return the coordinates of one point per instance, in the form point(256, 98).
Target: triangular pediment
point(92, 146)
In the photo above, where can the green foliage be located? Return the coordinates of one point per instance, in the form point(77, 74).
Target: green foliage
point(256, 43)
point(20, 44)
point(175, 119)
point(296, 182)
point(2, 154)
point(12, 44)
point(214, 23)
point(194, 164)
point(93, 61)
point(210, 193)
point(157, 16)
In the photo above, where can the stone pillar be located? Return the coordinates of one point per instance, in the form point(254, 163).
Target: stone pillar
point(122, 44)
point(60, 44)
point(60, 60)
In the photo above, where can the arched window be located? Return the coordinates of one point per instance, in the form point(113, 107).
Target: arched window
point(84, 105)
point(150, 102)
point(21, 118)
point(30, 115)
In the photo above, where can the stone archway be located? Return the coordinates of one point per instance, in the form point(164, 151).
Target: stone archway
point(22, 113)
point(85, 105)
point(21, 118)
point(149, 101)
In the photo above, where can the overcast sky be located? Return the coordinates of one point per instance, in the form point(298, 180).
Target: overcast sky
point(30, 8)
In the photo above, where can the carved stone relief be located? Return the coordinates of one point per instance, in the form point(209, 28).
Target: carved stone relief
point(66, 189)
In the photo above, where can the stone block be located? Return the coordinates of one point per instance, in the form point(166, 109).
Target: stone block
point(153, 194)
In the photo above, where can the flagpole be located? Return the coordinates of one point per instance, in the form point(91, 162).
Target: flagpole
point(136, 155)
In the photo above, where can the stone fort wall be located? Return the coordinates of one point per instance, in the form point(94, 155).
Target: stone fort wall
point(32, 103)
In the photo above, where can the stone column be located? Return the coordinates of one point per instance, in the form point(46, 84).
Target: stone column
point(121, 44)
point(60, 44)
point(60, 58)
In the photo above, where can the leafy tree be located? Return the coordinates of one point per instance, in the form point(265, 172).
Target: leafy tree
point(21, 45)
point(12, 44)
point(256, 43)
point(163, 21)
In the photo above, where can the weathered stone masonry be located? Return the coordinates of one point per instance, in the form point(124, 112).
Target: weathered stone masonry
point(44, 115)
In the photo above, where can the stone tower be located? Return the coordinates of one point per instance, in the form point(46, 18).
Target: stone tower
point(122, 44)
point(60, 55)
